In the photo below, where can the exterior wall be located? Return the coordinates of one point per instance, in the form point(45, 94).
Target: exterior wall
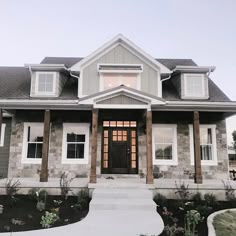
point(4, 151)
point(118, 55)
point(56, 168)
point(184, 170)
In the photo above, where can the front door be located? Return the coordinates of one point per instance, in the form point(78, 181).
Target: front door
point(119, 154)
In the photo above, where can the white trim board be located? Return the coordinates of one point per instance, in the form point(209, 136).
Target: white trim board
point(2, 134)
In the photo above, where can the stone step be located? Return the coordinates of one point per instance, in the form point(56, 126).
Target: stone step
point(123, 193)
point(122, 204)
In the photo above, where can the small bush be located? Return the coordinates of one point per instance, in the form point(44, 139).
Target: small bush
point(210, 199)
point(12, 187)
point(197, 198)
point(65, 185)
point(83, 200)
point(229, 191)
point(160, 200)
point(48, 219)
point(182, 191)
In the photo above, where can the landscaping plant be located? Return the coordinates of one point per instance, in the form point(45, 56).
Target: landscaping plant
point(182, 191)
point(40, 196)
point(192, 218)
point(12, 189)
point(65, 185)
point(229, 191)
point(48, 219)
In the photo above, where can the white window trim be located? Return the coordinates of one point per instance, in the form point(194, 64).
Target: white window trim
point(203, 95)
point(37, 92)
point(83, 129)
point(212, 162)
point(174, 161)
point(2, 135)
point(24, 159)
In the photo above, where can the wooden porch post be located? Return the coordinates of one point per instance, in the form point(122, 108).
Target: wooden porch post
point(46, 132)
point(149, 177)
point(93, 177)
point(197, 149)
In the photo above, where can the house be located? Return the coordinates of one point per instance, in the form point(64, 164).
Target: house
point(117, 111)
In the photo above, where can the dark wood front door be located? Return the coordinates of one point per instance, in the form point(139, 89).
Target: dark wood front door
point(119, 155)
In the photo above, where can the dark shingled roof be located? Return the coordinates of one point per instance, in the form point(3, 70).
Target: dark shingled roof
point(15, 81)
point(67, 61)
point(172, 63)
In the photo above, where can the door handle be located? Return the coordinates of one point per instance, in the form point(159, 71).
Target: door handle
point(128, 151)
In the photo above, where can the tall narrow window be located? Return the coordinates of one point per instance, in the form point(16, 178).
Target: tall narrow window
point(165, 144)
point(207, 144)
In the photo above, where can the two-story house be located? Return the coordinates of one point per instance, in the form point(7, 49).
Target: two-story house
point(116, 111)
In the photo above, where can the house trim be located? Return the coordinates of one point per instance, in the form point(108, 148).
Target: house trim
point(2, 134)
point(212, 162)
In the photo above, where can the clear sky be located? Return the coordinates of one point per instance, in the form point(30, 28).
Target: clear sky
point(204, 30)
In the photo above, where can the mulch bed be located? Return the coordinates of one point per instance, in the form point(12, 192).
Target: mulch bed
point(174, 206)
point(24, 209)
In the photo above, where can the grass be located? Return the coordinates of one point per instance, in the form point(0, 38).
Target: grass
point(224, 224)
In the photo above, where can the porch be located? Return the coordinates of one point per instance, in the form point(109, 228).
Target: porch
point(166, 187)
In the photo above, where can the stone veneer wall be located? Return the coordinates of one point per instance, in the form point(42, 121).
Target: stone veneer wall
point(185, 170)
point(56, 168)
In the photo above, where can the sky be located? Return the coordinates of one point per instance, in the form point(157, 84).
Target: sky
point(204, 30)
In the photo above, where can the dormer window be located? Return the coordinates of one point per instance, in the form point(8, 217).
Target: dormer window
point(119, 74)
point(45, 83)
point(194, 86)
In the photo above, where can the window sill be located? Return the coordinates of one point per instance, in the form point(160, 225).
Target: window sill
point(165, 162)
point(31, 161)
point(207, 163)
point(79, 161)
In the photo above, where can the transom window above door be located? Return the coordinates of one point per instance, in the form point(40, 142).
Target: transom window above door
point(115, 75)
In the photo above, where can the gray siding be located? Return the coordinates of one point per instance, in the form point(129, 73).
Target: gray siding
point(122, 99)
point(119, 55)
point(4, 151)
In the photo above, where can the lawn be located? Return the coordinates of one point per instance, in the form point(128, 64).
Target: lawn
point(224, 223)
point(38, 210)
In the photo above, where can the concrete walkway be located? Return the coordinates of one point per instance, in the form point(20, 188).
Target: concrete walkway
point(113, 211)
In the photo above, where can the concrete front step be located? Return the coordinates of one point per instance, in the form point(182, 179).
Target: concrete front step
point(122, 193)
point(122, 204)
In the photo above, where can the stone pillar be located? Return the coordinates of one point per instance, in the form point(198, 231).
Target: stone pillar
point(197, 148)
point(149, 177)
point(93, 176)
point(46, 133)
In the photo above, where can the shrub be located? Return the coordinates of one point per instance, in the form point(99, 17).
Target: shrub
point(210, 199)
point(229, 191)
point(40, 196)
point(12, 187)
point(65, 185)
point(197, 198)
point(160, 200)
point(192, 218)
point(82, 200)
point(48, 219)
point(182, 191)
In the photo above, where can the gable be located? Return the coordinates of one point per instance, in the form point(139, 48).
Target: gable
point(122, 100)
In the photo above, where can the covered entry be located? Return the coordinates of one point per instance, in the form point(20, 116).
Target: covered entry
point(119, 147)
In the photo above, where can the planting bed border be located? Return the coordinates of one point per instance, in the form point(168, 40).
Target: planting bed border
point(210, 218)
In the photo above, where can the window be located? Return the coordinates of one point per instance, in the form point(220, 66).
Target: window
point(165, 144)
point(2, 135)
point(45, 83)
point(207, 144)
point(195, 86)
point(115, 75)
point(75, 143)
point(32, 142)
